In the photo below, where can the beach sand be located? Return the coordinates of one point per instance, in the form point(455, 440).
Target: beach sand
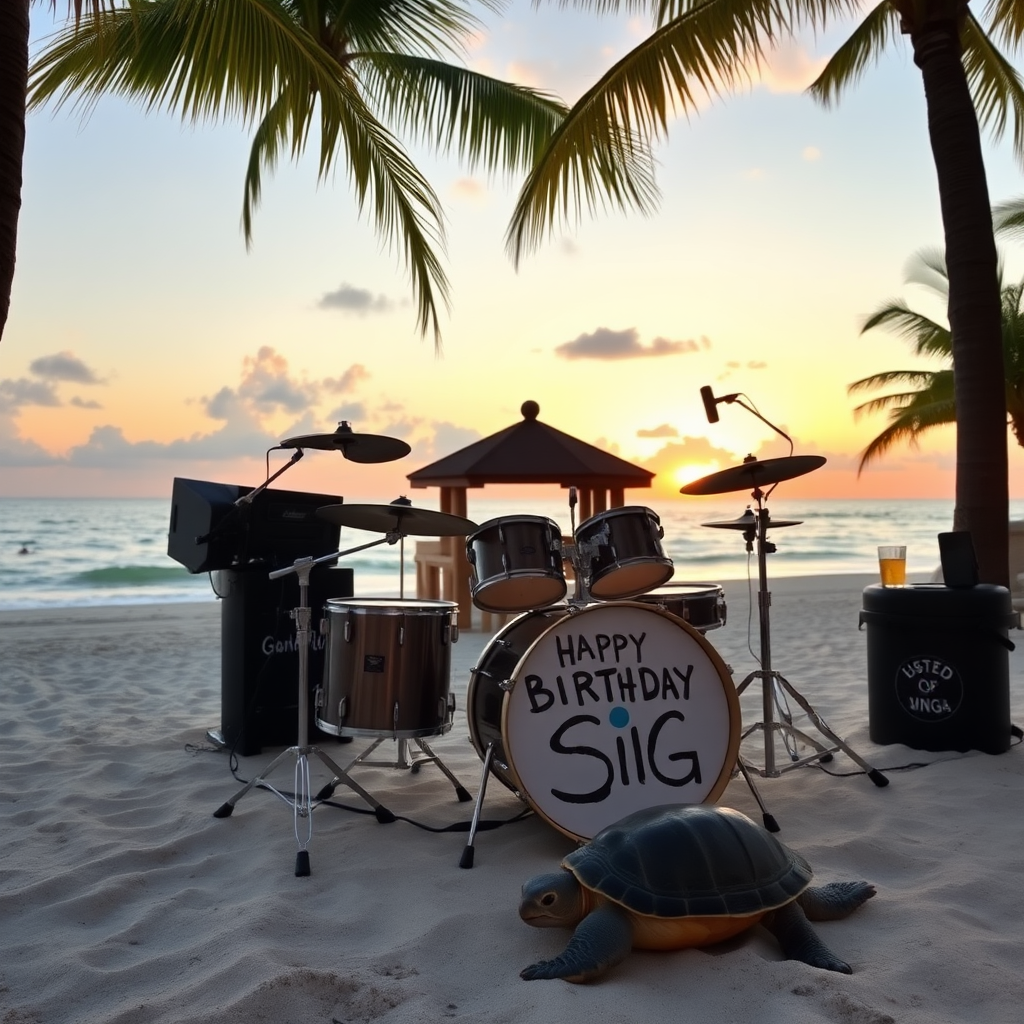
point(124, 900)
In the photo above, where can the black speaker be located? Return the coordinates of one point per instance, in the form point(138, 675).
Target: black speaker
point(200, 508)
point(259, 656)
point(210, 530)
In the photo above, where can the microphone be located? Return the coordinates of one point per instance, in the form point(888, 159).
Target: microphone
point(711, 403)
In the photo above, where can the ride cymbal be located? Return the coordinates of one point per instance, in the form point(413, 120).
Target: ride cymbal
point(754, 473)
point(365, 448)
point(398, 518)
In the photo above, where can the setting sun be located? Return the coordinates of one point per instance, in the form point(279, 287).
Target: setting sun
point(691, 471)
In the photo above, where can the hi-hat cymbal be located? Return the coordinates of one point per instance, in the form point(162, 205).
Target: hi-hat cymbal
point(748, 521)
point(398, 517)
point(754, 473)
point(355, 447)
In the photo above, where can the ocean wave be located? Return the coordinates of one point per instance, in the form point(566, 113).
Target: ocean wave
point(129, 576)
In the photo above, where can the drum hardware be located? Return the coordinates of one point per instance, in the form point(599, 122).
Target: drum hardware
point(302, 803)
point(775, 722)
point(399, 517)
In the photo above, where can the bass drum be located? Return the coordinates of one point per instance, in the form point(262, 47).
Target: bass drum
point(608, 710)
point(493, 671)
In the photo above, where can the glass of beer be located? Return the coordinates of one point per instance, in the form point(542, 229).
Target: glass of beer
point(892, 563)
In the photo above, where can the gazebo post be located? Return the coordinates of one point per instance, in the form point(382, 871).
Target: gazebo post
point(618, 497)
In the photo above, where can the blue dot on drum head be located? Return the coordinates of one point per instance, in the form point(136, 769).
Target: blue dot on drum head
point(619, 717)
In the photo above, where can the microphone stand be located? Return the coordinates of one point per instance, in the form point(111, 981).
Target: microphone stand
point(302, 802)
point(774, 684)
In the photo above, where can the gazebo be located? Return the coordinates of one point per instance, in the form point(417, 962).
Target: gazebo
point(528, 452)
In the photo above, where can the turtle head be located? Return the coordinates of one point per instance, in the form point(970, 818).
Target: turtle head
point(554, 900)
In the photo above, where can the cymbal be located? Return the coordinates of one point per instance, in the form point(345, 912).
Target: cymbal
point(748, 521)
point(754, 473)
point(355, 447)
point(398, 517)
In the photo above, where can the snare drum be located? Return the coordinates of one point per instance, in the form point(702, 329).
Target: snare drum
point(517, 564)
point(607, 710)
point(621, 552)
point(702, 605)
point(387, 667)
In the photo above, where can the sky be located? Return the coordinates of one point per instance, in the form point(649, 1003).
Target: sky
point(145, 342)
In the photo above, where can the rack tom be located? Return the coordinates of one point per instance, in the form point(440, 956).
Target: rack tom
point(621, 552)
point(517, 564)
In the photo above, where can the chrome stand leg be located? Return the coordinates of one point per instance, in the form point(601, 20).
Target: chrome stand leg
point(468, 853)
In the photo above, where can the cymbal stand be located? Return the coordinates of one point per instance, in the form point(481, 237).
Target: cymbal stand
point(301, 802)
point(775, 687)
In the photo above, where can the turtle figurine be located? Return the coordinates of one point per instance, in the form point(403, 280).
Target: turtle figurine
point(677, 876)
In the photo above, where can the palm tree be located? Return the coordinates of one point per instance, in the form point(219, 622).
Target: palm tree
point(600, 153)
point(361, 73)
point(927, 399)
point(13, 90)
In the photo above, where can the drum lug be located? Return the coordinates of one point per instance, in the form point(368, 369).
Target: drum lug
point(348, 631)
point(342, 710)
point(318, 697)
point(325, 625)
point(506, 685)
point(394, 721)
point(401, 641)
point(446, 709)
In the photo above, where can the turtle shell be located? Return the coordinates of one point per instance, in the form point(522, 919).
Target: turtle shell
point(690, 861)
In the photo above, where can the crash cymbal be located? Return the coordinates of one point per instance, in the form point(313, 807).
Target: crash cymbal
point(398, 517)
point(355, 447)
point(748, 521)
point(754, 473)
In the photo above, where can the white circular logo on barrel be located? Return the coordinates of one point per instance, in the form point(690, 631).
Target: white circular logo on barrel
point(929, 689)
point(617, 708)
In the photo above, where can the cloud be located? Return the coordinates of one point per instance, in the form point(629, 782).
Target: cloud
point(355, 300)
point(349, 380)
point(665, 430)
point(84, 403)
point(790, 69)
point(16, 393)
point(470, 190)
point(608, 344)
point(63, 366)
point(811, 153)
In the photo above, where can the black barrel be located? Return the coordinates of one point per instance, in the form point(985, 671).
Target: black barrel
point(938, 666)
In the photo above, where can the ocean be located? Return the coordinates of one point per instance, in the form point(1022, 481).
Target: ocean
point(114, 551)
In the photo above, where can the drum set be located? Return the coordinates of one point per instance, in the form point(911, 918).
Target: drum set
point(588, 707)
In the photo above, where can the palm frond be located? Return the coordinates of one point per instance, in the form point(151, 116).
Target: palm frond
point(1008, 217)
point(916, 378)
point(994, 83)
point(1005, 19)
point(874, 33)
point(207, 60)
point(928, 337)
point(932, 407)
point(599, 155)
point(486, 121)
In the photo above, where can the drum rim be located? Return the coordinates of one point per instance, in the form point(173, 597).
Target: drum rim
point(618, 511)
point(400, 605)
point(526, 517)
point(732, 699)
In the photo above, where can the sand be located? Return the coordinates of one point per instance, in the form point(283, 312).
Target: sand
point(123, 899)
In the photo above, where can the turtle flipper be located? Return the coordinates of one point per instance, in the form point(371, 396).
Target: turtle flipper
point(799, 941)
point(835, 900)
point(601, 940)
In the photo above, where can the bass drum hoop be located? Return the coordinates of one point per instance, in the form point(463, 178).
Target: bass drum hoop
point(730, 761)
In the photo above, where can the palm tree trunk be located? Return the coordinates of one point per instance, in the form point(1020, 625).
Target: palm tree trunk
point(982, 503)
point(13, 89)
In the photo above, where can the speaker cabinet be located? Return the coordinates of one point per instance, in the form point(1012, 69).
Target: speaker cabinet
point(259, 654)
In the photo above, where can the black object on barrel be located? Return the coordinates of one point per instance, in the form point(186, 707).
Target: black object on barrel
point(938, 666)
